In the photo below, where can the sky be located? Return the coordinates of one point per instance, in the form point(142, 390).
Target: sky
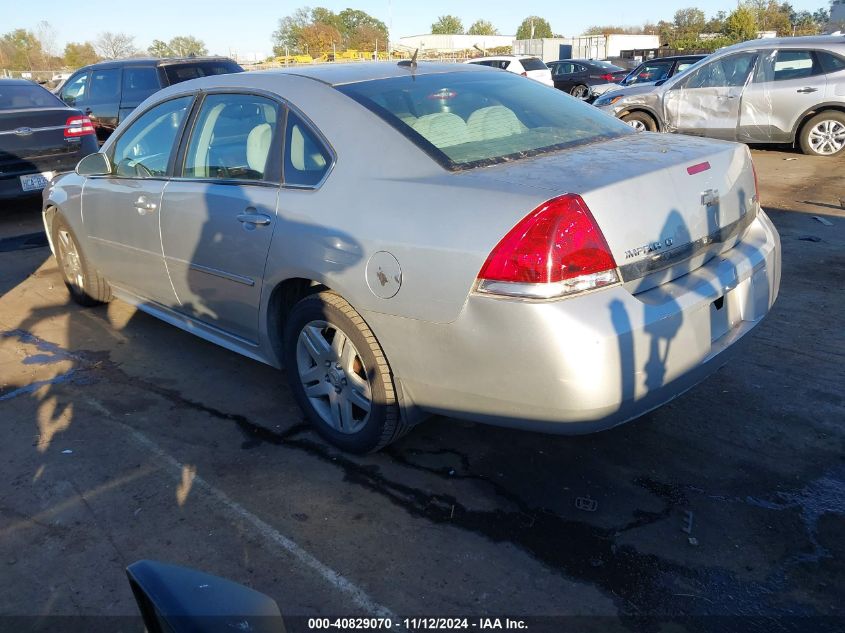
point(227, 27)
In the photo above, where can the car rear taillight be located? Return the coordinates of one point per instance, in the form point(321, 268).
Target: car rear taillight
point(77, 126)
point(556, 250)
point(606, 77)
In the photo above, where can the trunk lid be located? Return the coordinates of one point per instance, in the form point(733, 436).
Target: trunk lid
point(32, 139)
point(663, 202)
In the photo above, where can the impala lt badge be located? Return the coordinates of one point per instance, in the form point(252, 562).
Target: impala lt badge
point(649, 248)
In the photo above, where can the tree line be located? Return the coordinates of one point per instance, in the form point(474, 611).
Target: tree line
point(23, 49)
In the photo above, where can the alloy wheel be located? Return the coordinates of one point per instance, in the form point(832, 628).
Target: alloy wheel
point(827, 137)
point(69, 257)
point(581, 92)
point(638, 125)
point(333, 376)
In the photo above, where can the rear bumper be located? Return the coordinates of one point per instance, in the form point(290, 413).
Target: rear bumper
point(590, 362)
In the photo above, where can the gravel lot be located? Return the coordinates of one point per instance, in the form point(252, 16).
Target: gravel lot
point(123, 438)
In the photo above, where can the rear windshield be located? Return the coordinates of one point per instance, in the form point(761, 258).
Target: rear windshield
point(471, 119)
point(532, 63)
point(18, 96)
point(192, 70)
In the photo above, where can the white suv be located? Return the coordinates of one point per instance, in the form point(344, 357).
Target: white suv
point(525, 65)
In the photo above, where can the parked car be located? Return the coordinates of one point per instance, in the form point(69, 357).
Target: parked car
point(789, 90)
point(585, 78)
point(414, 240)
point(525, 65)
point(108, 91)
point(39, 137)
point(659, 69)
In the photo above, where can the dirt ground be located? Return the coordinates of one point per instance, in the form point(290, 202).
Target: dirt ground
point(123, 438)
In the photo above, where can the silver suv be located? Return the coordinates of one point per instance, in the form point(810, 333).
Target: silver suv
point(789, 90)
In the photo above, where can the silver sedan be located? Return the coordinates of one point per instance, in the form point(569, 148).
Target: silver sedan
point(412, 240)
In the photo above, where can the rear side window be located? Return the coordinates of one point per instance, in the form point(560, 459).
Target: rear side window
point(20, 96)
point(139, 82)
point(791, 64)
point(104, 86)
point(306, 158)
point(465, 120)
point(177, 73)
point(532, 63)
point(232, 138)
point(144, 148)
point(830, 63)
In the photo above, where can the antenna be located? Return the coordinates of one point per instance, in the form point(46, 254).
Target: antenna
point(414, 58)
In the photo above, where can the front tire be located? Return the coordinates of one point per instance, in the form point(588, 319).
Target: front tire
point(824, 134)
point(339, 374)
point(581, 92)
point(640, 121)
point(85, 285)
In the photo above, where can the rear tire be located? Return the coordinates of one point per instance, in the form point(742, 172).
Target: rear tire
point(640, 121)
point(581, 92)
point(84, 283)
point(824, 134)
point(339, 375)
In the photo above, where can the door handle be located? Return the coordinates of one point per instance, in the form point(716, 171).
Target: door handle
point(258, 219)
point(143, 206)
point(805, 91)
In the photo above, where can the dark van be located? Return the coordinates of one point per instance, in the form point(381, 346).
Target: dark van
point(108, 91)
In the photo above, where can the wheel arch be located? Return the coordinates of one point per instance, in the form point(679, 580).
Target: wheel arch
point(282, 298)
point(643, 110)
point(810, 113)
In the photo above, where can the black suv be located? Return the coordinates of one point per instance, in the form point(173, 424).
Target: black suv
point(108, 91)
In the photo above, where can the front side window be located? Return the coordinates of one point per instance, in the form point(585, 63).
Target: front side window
point(306, 158)
point(232, 138)
point(465, 120)
point(73, 92)
point(728, 71)
point(104, 86)
point(145, 147)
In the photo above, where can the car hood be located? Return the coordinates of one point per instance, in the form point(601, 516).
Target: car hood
point(631, 91)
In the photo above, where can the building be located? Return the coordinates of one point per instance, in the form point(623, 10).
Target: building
point(444, 44)
point(605, 46)
point(837, 12)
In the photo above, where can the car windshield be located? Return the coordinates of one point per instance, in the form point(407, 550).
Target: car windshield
point(648, 72)
point(22, 96)
point(532, 63)
point(466, 120)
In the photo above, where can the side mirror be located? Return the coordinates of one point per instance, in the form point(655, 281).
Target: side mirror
point(94, 165)
point(181, 600)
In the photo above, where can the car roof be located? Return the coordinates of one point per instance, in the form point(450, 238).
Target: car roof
point(494, 57)
point(830, 42)
point(354, 72)
point(154, 61)
point(17, 82)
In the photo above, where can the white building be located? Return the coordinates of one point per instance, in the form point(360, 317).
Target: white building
point(584, 46)
point(430, 43)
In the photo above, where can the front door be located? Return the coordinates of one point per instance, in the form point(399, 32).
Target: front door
point(218, 218)
point(121, 211)
point(706, 102)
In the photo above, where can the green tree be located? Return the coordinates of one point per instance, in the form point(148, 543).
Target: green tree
point(287, 36)
point(185, 45)
point(538, 25)
point(717, 23)
point(741, 25)
point(21, 50)
point(79, 54)
point(482, 27)
point(689, 22)
point(447, 25)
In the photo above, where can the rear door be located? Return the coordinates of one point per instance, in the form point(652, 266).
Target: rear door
point(218, 216)
point(121, 211)
point(563, 75)
point(706, 101)
point(787, 83)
